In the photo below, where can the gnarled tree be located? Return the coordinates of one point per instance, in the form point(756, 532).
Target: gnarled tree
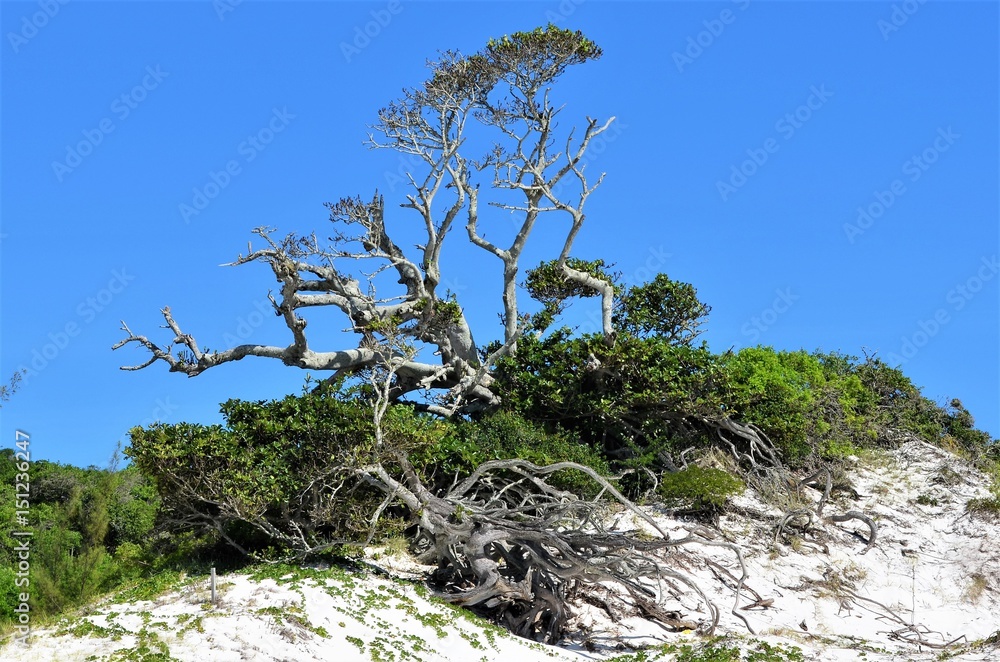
point(506, 539)
point(504, 91)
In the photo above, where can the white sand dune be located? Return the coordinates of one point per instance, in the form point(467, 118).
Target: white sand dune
point(933, 574)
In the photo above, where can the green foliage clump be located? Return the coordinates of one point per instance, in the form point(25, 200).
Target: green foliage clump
point(503, 435)
point(295, 467)
point(960, 434)
point(630, 400)
point(10, 591)
point(817, 406)
point(269, 465)
point(437, 314)
point(531, 60)
point(548, 284)
point(663, 307)
point(778, 392)
point(699, 488)
point(896, 403)
point(88, 531)
point(544, 45)
point(133, 509)
point(984, 507)
point(647, 393)
point(650, 393)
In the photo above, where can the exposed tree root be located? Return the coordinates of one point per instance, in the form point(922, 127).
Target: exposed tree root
point(854, 514)
point(791, 517)
point(513, 548)
point(812, 480)
point(910, 632)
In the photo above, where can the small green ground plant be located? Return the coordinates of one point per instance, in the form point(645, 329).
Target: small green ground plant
point(699, 488)
point(717, 649)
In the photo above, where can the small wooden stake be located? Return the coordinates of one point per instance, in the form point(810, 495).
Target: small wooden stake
point(213, 585)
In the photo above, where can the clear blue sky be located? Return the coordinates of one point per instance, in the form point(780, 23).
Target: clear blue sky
point(113, 114)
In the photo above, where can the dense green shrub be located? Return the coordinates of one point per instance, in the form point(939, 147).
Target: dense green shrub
point(267, 472)
point(897, 404)
point(628, 401)
point(76, 554)
point(645, 393)
point(133, 509)
point(505, 435)
point(699, 488)
point(664, 308)
point(271, 459)
point(818, 406)
point(9, 594)
point(645, 398)
point(960, 434)
point(778, 392)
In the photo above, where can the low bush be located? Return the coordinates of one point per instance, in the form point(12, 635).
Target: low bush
point(265, 472)
point(984, 507)
point(503, 435)
point(699, 488)
point(90, 530)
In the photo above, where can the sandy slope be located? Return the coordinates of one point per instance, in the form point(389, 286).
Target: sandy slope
point(343, 618)
point(934, 571)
